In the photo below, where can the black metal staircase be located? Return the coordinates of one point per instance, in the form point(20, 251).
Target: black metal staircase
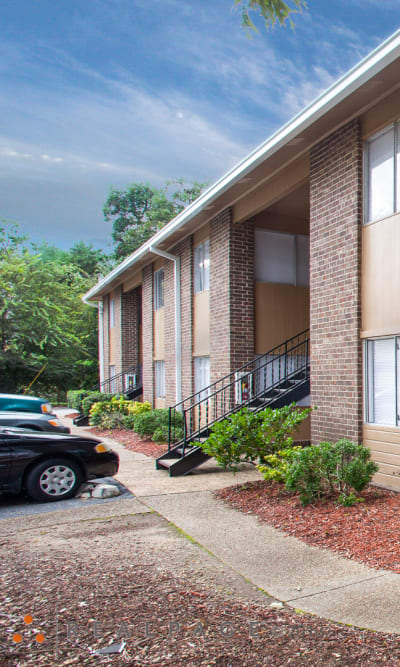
point(277, 378)
point(128, 383)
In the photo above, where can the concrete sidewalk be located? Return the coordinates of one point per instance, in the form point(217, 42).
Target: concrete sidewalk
point(304, 577)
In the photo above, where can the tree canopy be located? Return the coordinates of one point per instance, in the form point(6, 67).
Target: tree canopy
point(43, 321)
point(141, 210)
point(270, 10)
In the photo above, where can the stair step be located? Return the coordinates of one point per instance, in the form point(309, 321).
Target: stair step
point(167, 463)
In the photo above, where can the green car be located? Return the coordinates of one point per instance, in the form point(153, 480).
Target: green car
point(21, 403)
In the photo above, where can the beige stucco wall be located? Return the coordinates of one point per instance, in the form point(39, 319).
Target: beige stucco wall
point(201, 324)
point(158, 332)
point(380, 278)
point(281, 311)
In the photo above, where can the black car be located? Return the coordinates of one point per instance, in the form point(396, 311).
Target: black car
point(32, 420)
point(51, 466)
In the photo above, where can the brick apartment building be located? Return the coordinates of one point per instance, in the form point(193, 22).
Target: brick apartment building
point(303, 233)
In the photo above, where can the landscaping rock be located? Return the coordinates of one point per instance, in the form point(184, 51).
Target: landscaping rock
point(105, 491)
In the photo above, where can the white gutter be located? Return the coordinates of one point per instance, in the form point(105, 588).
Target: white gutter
point(385, 54)
point(100, 308)
point(178, 317)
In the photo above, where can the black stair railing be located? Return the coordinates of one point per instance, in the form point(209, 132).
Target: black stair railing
point(254, 384)
point(122, 383)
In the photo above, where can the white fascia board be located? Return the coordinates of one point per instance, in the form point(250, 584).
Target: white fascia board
point(375, 62)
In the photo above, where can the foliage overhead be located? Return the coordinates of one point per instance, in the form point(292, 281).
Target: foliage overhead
point(270, 10)
point(141, 210)
point(43, 322)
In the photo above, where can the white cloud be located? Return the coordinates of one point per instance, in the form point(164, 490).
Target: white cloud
point(48, 158)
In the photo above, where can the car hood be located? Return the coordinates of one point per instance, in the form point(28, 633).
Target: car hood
point(45, 435)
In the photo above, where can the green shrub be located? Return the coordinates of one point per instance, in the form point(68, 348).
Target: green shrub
point(101, 411)
point(75, 398)
point(332, 470)
point(248, 436)
point(135, 408)
point(129, 421)
point(94, 397)
point(276, 465)
point(113, 420)
point(154, 424)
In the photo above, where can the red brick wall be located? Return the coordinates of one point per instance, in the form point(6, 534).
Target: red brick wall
point(130, 304)
point(106, 336)
point(231, 294)
point(184, 251)
point(169, 333)
point(186, 255)
point(335, 267)
point(147, 319)
point(117, 295)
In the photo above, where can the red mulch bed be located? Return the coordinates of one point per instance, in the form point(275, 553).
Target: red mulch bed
point(131, 440)
point(368, 532)
point(72, 415)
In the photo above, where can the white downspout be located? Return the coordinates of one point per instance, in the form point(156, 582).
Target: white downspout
point(178, 316)
point(100, 308)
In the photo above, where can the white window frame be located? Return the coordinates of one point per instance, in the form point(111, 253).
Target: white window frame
point(112, 313)
point(201, 269)
point(395, 127)
point(260, 266)
point(159, 289)
point(367, 388)
point(159, 378)
point(112, 383)
point(202, 377)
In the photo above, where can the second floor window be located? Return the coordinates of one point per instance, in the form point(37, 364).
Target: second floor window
point(158, 289)
point(201, 259)
point(112, 313)
point(382, 162)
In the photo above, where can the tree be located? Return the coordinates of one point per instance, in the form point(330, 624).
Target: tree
point(141, 210)
point(43, 322)
point(271, 11)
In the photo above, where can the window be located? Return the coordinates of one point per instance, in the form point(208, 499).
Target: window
point(112, 313)
point(201, 376)
point(112, 380)
point(202, 267)
point(381, 174)
point(382, 375)
point(158, 289)
point(281, 258)
point(159, 373)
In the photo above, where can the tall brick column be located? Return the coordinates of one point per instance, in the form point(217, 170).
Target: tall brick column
point(231, 294)
point(169, 332)
point(130, 304)
point(184, 251)
point(335, 277)
point(118, 330)
point(106, 336)
point(147, 319)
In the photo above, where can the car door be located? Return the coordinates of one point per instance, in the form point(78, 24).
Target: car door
point(5, 460)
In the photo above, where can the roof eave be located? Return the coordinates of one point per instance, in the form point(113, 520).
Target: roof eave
point(375, 62)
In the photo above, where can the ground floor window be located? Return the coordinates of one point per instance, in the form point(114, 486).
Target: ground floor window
point(201, 375)
point(382, 381)
point(112, 380)
point(159, 373)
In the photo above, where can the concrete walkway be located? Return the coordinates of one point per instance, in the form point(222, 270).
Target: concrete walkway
point(304, 577)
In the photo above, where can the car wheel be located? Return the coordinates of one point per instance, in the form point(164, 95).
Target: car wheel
point(54, 479)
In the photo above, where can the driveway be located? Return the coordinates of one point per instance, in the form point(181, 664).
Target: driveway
point(13, 506)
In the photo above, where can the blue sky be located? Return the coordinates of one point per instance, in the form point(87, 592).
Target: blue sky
point(100, 93)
